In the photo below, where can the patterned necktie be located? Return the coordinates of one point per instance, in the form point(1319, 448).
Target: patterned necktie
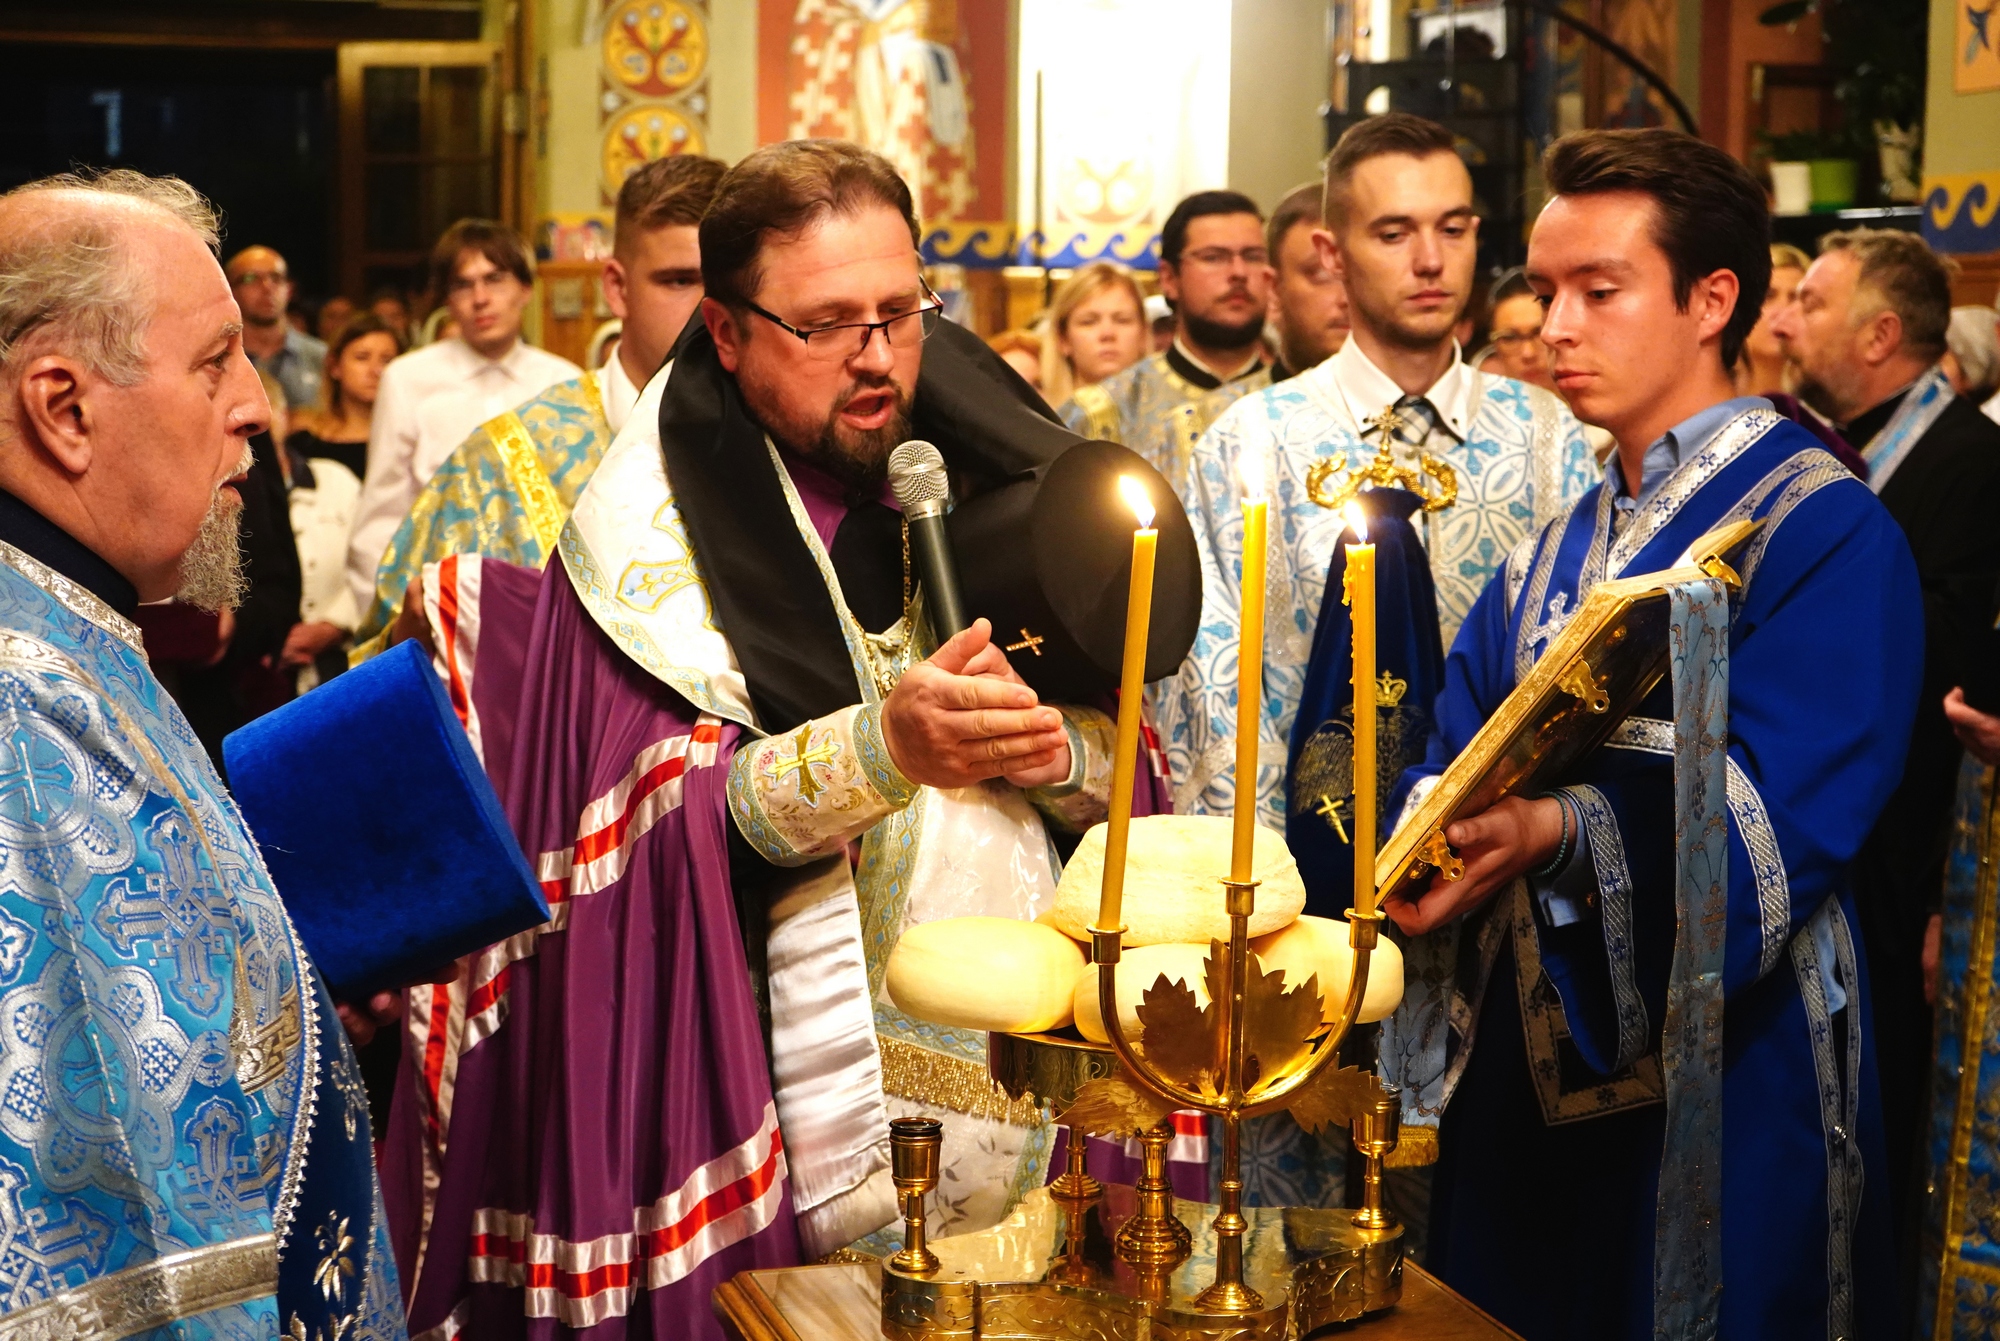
point(1418, 421)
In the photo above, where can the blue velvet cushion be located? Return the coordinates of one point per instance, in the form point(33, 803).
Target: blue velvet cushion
point(383, 835)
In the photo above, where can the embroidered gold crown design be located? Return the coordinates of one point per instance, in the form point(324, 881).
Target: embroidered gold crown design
point(1389, 690)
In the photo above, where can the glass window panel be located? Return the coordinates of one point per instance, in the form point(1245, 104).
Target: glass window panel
point(454, 191)
point(394, 217)
point(456, 122)
point(390, 108)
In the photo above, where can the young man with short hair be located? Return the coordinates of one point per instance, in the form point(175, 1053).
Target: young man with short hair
point(506, 490)
point(1637, 1021)
point(431, 397)
point(1308, 300)
point(1216, 271)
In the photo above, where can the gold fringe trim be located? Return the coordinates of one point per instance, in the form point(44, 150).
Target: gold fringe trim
point(911, 1072)
point(1415, 1147)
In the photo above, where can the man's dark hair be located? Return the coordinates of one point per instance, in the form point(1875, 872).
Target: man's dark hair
point(1201, 204)
point(1372, 137)
point(782, 190)
point(676, 189)
point(494, 240)
point(1301, 205)
point(1709, 212)
point(1904, 276)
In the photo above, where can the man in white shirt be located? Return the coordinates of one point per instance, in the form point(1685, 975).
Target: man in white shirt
point(507, 488)
point(1402, 236)
point(432, 397)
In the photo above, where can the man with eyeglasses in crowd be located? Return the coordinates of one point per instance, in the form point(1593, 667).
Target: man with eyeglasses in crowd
point(1215, 269)
point(725, 750)
point(432, 398)
point(261, 283)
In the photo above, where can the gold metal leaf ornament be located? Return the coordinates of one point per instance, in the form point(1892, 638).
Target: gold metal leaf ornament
point(1335, 1098)
point(1277, 1022)
point(1114, 1106)
point(1179, 1037)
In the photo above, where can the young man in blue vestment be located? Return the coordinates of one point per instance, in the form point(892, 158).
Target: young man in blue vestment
point(1669, 1125)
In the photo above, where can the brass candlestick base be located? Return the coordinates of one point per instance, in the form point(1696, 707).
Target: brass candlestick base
point(1075, 1183)
point(1153, 1236)
point(1048, 1274)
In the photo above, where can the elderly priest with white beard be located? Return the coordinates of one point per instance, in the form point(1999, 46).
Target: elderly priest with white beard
point(184, 1141)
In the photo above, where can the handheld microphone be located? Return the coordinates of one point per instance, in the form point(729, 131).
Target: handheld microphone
point(917, 474)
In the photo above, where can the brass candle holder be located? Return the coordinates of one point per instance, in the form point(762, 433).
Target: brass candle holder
point(1079, 1254)
point(914, 1147)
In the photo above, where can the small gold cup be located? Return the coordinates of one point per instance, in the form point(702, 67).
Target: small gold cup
point(1375, 1135)
point(914, 1147)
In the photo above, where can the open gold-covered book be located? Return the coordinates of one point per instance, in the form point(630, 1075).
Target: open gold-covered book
point(1603, 664)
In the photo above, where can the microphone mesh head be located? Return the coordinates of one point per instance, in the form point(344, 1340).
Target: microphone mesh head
point(917, 474)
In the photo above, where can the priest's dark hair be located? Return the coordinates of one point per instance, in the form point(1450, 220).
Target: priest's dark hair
point(490, 238)
point(677, 189)
point(1709, 212)
point(1372, 137)
point(1173, 235)
point(1902, 275)
point(782, 190)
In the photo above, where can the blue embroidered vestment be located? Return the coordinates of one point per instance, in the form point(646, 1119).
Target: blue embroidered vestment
point(184, 1142)
point(1555, 1119)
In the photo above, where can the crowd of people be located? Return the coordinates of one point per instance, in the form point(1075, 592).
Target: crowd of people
point(725, 744)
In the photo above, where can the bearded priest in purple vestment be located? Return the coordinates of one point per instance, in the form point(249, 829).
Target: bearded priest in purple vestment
point(739, 776)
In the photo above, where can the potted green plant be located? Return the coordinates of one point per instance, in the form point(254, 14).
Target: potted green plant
point(1828, 167)
point(1877, 50)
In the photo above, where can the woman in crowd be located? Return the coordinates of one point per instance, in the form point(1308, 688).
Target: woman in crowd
point(1763, 368)
point(1515, 328)
point(1096, 327)
point(338, 429)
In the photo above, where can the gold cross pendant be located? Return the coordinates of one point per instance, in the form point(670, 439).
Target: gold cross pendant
point(804, 756)
point(1331, 809)
point(1386, 422)
point(1031, 642)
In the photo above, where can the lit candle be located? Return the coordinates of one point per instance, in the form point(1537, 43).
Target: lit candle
point(1361, 600)
point(1249, 668)
point(1131, 694)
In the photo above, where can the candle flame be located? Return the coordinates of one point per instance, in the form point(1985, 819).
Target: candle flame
point(1357, 522)
point(1137, 499)
point(1250, 468)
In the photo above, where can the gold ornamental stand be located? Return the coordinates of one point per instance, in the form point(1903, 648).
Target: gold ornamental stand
point(1081, 1258)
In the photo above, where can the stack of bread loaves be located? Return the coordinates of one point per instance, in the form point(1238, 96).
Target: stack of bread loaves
point(1004, 976)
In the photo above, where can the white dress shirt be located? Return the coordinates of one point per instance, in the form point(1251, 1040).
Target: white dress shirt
point(431, 400)
point(1366, 390)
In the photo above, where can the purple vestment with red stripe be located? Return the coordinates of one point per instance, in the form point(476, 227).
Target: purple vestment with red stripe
point(586, 1119)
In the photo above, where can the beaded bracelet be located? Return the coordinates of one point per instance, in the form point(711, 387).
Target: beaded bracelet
point(1562, 852)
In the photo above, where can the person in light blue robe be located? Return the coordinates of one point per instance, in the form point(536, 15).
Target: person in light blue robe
point(1641, 1052)
point(184, 1141)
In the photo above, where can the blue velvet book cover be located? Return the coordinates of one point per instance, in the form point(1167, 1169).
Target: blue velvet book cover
point(382, 833)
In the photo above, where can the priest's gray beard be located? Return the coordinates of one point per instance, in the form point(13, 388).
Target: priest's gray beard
point(212, 568)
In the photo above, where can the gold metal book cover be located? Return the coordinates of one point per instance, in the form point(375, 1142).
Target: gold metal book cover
point(1603, 664)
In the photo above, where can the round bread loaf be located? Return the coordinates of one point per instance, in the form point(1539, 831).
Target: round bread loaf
point(1138, 970)
point(1174, 866)
point(1318, 945)
point(987, 973)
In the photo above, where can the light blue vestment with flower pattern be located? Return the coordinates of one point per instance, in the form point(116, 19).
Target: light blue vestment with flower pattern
point(184, 1142)
point(1523, 462)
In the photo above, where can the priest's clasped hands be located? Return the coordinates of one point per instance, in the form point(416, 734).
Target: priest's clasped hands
point(965, 716)
point(1497, 845)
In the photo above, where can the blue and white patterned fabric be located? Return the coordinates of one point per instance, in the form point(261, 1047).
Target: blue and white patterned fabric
point(1709, 923)
point(184, 1142)
point(1521, 460)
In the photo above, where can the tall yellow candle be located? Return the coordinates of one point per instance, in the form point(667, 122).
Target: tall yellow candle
point(1361, 603)
point(1249, 669)
point(1131, 696)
